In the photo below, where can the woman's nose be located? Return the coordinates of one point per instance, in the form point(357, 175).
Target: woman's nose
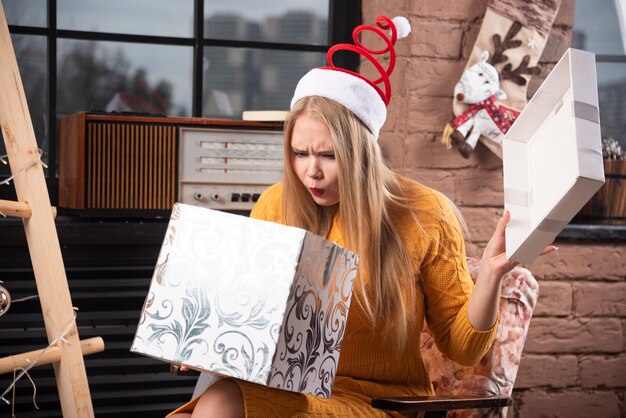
point(313, 170)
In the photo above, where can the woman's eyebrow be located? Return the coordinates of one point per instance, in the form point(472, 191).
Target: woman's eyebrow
point(323, 152)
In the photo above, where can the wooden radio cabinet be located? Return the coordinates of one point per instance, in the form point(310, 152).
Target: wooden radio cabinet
point(114, 165)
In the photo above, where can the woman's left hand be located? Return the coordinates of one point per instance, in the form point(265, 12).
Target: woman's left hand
point(494, 257)
point(483, 304)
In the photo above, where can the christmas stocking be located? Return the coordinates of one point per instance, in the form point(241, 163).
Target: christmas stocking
point(493, 88)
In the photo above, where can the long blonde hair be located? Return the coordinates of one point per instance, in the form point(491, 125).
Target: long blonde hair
point(369, 194)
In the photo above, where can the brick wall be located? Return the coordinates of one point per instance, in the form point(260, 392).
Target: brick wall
point(575, 356)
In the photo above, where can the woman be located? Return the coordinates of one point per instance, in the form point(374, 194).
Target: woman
point(412, 261)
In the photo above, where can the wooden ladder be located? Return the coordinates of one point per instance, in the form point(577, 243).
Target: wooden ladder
point(34, 208)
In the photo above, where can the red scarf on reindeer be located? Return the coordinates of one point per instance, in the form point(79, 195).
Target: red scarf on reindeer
point(502, 116)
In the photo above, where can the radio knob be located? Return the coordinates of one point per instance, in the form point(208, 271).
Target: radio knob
point(245, 197)
point(215, 197)
point(198, 196)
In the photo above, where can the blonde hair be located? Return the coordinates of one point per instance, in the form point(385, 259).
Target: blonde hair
point(369, 194)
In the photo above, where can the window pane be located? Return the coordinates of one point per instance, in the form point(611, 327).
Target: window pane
point(113, 76)
point(285, 21)
point(597, 27)
point(612, 97)
point(25, 13)
point(238, 79)
point(31, 53)
point(135, 17)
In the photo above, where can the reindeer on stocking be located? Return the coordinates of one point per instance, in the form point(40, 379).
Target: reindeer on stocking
point(515, 33)
point(479, 87)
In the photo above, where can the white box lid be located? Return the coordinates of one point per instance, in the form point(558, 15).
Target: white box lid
point(552, 156)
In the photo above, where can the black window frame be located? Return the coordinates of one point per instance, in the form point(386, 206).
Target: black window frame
point(343, 16)
point(580, 231)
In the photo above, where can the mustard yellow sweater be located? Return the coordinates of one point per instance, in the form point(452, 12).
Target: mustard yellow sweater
point(369, 365)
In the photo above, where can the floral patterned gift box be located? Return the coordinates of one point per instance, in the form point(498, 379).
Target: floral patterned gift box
point(249, 299)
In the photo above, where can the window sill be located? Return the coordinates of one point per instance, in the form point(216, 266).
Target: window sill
point(594, 232)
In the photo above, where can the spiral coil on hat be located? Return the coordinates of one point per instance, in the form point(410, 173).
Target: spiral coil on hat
point(359, 94)
point(399, 28)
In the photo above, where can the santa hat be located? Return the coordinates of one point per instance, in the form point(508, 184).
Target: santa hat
point(359, 94)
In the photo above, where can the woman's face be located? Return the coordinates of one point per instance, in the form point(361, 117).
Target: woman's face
point(313, 159)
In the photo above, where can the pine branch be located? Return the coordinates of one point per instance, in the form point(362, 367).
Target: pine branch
point(508, 43)
point(516, 75)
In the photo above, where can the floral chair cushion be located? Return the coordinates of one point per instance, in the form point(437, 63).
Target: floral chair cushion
point(495, 374)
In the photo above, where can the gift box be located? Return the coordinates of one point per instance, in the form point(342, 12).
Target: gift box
point(552, 156)
point(249, 299)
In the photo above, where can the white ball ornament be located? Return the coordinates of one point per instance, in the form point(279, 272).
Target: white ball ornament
point(403, 27)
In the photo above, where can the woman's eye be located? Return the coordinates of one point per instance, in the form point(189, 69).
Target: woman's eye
point(329, 156)
point(299, 154)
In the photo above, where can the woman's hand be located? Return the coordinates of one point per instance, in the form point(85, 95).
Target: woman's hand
point(494, 257)
point(175, 369)
point(484, 301)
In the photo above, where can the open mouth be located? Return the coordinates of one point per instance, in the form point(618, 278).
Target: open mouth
point(316, 192)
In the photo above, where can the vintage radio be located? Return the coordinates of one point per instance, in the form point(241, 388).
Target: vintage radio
point(228, 169)
point(115, 165)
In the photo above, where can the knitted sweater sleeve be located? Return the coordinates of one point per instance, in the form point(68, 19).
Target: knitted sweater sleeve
point(447, 286)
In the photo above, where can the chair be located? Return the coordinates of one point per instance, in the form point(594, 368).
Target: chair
point(487, 385)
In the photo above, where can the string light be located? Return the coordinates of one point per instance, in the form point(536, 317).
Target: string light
point(3, 158)
point(26, 167)
point(6, 301)
point(6, 181)
point(31, 364)
point(13, 394)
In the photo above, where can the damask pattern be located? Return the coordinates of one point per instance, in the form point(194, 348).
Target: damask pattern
point(248, 299)
point(308, 349)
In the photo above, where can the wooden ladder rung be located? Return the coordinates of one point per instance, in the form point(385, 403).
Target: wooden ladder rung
point(19, 209)
point(53, 354)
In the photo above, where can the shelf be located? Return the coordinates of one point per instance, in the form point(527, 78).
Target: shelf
point(594, 232)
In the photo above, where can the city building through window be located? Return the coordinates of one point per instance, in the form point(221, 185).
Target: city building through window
point(202, 58)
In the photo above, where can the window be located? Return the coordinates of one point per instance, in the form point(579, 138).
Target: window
point(203, 58)
point(600, 27)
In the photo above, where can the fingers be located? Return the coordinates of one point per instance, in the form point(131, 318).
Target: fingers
point(498, 236)
point(510, 265)
point(175, 369)
point(506, 217)
point(505, 264)
point(497, 241)
point(549, 249)
point(503, 222)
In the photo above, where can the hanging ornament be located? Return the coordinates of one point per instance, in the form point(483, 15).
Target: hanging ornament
point(514, 33)
point(5, 300)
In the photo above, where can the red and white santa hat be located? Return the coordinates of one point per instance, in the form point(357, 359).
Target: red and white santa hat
point(356, 92)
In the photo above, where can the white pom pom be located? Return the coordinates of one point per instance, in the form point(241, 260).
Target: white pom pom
point(403, 27)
